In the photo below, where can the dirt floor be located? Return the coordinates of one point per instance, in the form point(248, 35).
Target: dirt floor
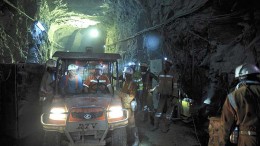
point(180, 134)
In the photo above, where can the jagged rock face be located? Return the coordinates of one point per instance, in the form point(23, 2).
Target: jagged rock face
point(13, 29)
point(205, 39)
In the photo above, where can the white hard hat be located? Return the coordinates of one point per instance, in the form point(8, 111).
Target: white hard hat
point(72, 67)
point(51, 63)
point(99, 67)
point(169, 61)
point(128, 70)
point(131, 64)
point(246, 69)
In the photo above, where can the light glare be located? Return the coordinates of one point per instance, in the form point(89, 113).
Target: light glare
point(115, 112)
point(94, 33)
point(58, 114)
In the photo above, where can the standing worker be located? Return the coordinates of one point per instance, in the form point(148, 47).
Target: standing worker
point(128, 93)
point(241, 110)
point(165, 90)
point(47, 84)
point(147, 99)
point(137, 78)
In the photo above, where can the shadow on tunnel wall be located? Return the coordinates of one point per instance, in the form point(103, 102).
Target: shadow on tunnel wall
point(19, 104)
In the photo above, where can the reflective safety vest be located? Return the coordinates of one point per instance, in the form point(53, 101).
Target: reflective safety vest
point(93, 80)
point(137, 77)
point(166, 83)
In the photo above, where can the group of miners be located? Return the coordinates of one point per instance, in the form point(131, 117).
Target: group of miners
point(137, 84)
point(241, 110)
point(166, 88)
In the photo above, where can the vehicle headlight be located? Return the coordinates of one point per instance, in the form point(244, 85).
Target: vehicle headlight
point(115, 112)
point(58, 113)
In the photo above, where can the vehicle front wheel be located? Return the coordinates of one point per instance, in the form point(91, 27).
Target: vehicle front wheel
point(119, 137)
point(52, 139)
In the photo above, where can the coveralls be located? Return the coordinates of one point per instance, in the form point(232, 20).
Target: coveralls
point(240, 108)
point(147, 99)
point(71, 85)
point(165, 89)
point(93, 80)
point(47, 89)
point(137, 78)
point(129, 88)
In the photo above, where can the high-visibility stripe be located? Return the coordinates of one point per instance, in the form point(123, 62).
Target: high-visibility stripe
point(137, 80)
point(232, 101)
point(85, 85)
point(95, 81)
point(158, 115)
point(166, 76)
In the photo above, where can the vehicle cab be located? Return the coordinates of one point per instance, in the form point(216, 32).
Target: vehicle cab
point(94, 113)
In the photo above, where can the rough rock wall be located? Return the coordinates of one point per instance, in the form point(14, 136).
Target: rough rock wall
point(125, 14)
point(17, 34)
point(205, 39)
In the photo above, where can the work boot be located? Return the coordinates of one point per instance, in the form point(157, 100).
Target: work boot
point(151, 118)
point(137, 141)
point(156, 124)
point(165, 125)
point(144, 116)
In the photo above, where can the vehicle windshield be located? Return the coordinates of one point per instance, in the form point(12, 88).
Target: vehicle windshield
point(84, 76)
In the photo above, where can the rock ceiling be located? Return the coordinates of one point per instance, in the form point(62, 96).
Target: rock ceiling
point(206, 39)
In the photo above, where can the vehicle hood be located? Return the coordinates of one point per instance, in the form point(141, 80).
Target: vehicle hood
point(89, 100)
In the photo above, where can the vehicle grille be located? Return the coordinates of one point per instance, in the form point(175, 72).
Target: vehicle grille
point(87, 135)
point(83, 114)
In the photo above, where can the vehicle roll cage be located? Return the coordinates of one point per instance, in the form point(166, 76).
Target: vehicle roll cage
point(109, 58)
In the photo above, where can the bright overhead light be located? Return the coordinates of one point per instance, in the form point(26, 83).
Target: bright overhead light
point(94, 33)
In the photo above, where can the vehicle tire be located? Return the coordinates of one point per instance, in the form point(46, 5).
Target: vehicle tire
point(119, 137)
point(52, 139)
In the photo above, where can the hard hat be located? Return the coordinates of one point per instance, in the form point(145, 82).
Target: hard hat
point(72, 67)
point(99, 67)
point(128, 70)
point(51, 63)
point(246, 69)
point(131, 64)
point(143, 65)
point(169, 61)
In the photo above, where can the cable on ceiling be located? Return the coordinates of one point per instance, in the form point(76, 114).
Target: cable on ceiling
point(9, 3)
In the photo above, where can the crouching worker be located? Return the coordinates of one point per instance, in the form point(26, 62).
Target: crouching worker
point(127, 95)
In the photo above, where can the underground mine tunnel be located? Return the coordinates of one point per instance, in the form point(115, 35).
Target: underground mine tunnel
point(204, 41)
